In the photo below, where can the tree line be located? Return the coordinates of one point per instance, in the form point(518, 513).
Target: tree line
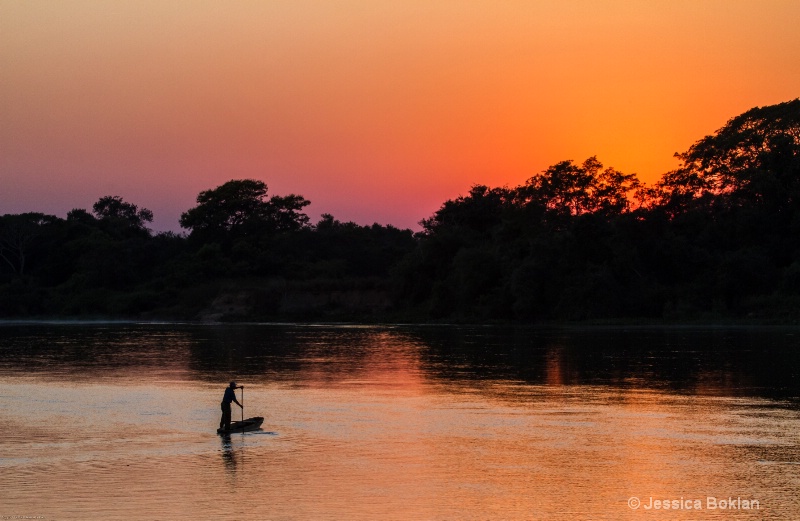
point(716, 238)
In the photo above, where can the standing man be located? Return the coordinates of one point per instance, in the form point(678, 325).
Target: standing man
point(230, 396)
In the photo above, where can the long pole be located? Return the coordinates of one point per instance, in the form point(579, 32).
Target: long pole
point(243, 404)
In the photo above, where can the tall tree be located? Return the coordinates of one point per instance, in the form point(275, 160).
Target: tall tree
point(115, 210)
point(572, 189)
point(240, 208)
point(753, 160)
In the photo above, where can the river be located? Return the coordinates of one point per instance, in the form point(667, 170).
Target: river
point(117, 421)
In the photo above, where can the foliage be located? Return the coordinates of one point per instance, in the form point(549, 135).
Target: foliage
point(579, 242)
point(106, 263)
point(119, 216)
point(753, 159)
point(240, 208)
point(567, 188)
point(718, 238)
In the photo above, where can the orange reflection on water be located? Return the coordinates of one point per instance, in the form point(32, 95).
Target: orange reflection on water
point(579, 456)
point(377, 359)
point(373, 425)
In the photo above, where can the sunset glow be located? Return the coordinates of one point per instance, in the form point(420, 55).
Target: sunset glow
point(374, 111)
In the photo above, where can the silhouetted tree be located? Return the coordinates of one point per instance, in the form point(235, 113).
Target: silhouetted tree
point(240, 208)
point(477, 212)
point(754, 159)
point(79, 215)
point(120, 215)
point(718, 237)
point(285, 212)
point(567, 188)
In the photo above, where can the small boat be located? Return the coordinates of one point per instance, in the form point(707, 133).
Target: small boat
point(250, 424)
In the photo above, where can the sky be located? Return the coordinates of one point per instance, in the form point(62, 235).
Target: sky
point(375, 111)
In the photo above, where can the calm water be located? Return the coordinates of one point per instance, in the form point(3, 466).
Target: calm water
point(117, 421)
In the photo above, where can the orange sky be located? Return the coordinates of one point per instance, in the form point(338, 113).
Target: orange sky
point(373, 110)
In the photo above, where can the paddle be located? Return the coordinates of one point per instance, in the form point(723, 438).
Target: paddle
point(242, 404)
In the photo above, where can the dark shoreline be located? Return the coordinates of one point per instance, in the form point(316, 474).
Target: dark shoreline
point(589, 324)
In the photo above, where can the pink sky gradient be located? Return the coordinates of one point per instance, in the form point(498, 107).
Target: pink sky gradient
point(376, 111)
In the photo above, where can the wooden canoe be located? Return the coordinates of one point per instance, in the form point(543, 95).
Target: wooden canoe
point(250, 424)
